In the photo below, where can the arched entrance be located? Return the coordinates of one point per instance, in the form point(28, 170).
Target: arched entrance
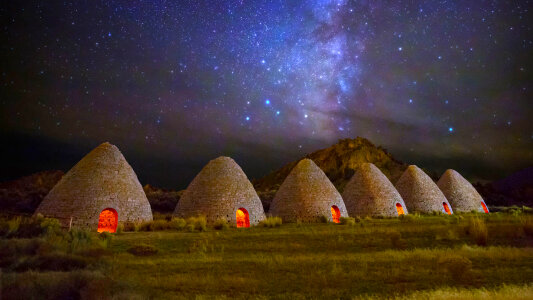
point(399, 208)
point(335, 214)
point(108, 220)
point(485, 209)
point(243, 218)
point(446, 208)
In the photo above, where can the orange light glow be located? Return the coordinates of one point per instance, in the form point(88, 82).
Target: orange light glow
point(108, 220)
point(485, 209)
point(243, 219)
point(446, 208)
point(399, 208)
point(335, 214)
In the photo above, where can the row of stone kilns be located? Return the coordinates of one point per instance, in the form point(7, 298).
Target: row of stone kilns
point(102, 191)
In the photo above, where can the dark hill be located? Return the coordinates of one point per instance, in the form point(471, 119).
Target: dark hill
point(338, 162)
point(23, 195)
point(515, 189)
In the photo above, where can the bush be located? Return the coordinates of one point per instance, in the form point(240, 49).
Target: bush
point(323, 219)
point(120, 228)
point(198, 223)
point(159, 225)
point(177, 224)
point(347, 221)
point(142, 250)
point(271, 222)
point(477, 230)
point(221, 224)
point(397, 241)
point(527, 226)
point(458, 267)
point(146, 226)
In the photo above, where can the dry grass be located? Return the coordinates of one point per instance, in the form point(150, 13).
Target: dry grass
point(423, 257)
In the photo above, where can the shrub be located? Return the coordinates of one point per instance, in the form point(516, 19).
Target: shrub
point(347, 221)
point(105, 239)
point(50, 226)
point(458, 267)
point(397, 241)
point(142, 250)
point(198, 223)
point(477, 230)
point(177, 224)
point(527, 226)
point(221, 224)
point(158, 225)
point(271, 222)
point(146, 226)
point(323, 219)
point(190, 227)
point(120, 228)
point(130, 226)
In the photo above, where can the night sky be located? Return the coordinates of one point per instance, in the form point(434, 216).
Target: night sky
point(441, 84)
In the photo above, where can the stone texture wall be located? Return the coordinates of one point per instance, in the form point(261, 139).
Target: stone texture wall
point(218, 191)
point(420, 193)
point(102, 179)
point(370, 193)
point(306, 195)
point(462, 195)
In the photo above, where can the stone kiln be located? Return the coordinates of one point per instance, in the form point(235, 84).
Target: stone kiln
point(99, 192)
point(221, 191)
point(306, 195)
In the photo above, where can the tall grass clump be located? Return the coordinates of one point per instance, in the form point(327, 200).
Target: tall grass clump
point(198, 223)
point(397, 241)
point(221, 224)
point(477, 230)
point(347, 221)
point(458, 267)
point(527, 226)
point(177, 224)
point(271, 222)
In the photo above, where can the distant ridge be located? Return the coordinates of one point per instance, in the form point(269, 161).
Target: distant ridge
point(338, 162)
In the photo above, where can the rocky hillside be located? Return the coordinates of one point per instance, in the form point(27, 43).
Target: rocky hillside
point(338, 162)
point(161, 200)
point(23, 195)
point(515, 189)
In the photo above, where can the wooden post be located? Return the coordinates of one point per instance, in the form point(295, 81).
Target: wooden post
point(70, 224)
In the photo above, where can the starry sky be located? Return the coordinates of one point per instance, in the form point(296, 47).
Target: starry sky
point(441, 84)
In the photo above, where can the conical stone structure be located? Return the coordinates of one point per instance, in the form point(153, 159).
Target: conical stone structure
point(420, 193)
point(462, 195)
point(370, 193)
point(306, 195)
point(101, 180)
point(221, 190)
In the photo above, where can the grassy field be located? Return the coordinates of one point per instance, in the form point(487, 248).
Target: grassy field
point(442, 257)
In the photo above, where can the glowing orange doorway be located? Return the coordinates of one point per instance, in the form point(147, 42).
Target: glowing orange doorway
point(446, 208)
point(399, 208)
point(335, 214)
point(243, 218)
point(485, 209)
point(108, 220)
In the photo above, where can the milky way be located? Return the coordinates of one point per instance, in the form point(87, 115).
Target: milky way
point(442, 84)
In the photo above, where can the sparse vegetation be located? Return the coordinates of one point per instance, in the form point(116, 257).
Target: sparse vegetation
point(478, 231)
point(347, 221)
point(271, 222)
point(142, 250)
point(425, 257)
point(221, 224)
